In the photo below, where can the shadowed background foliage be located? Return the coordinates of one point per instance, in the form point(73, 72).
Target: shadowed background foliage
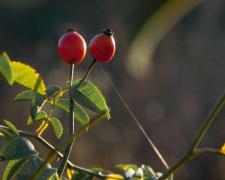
point(169, 68)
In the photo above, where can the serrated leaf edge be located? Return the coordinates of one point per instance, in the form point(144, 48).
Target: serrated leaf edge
point(34, 71)
point(15, 99)
point(76, 86)
point(57, 135)
point(12, 127)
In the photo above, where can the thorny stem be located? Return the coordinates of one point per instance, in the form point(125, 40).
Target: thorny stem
point(192, 151)
point(71, 130)
point(54, 153)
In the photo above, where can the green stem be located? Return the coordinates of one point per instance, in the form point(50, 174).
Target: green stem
point(89, 69)
point(217, 107)
point(41, 128)
point(52, 155)
point(191, 152)
point(177, 165)
point(71, 130)
point(209, 151)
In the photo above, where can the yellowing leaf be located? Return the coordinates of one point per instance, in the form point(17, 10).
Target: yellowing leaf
point(114, 177)
point(69, 173)
point(41, 128)
point(223, 148)
point(126, 166)
point(28, 77)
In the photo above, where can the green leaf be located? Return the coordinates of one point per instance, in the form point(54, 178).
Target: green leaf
point(31, 166)
point(37, 104)
point(8, 135)
point(79, 114)
point(88, 95)
point(17, 149)
point(55, 177)
point(12, 127)
point(25, 96)
point(50, 90)
point(81, 176)
point(64, 104)
point(102, 171)
point(28, 77)
point(37, 101)
point(5, 68)
point(126, 166)
point(29, 96)
point(13, 167)
point(57, 126)
point(33, 110)
point(40, 116)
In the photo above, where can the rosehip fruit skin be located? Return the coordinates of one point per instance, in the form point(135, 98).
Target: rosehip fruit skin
point(102, 46)
point(72, 47)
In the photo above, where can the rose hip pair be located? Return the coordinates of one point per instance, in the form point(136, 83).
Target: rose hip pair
point(72, 47)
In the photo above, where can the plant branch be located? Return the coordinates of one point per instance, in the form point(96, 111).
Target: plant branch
point(52, 155)
point(192, 152)
point(51, 148)
point(215, 110)
point(71, 130)
point(209, 151)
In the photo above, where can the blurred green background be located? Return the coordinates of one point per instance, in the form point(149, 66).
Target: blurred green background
point(169, 68)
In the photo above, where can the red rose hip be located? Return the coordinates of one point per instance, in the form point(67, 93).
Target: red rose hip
point(102, 46)
point(71, 47)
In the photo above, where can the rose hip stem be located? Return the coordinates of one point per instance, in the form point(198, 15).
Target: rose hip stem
point(89, 69)
point(71, 129)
